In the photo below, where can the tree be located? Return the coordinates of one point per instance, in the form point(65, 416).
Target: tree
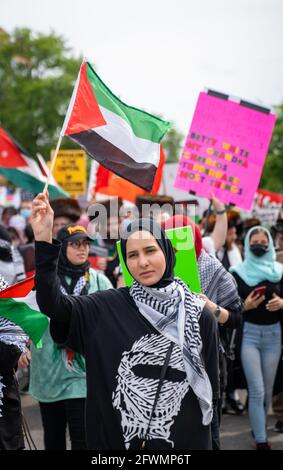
point(37, 76)
point(172, 144)
point(272, 175)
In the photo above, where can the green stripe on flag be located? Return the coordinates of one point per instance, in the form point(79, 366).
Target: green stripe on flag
point(144, 125)
point(33, 323)
point(32, 184)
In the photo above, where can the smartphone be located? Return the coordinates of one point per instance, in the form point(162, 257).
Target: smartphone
point(259, 290)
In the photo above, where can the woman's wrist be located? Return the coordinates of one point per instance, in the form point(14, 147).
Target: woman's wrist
point(217, 311)
point(221, 314)
point(43, 237)
point(246, 306)
point(220, 211)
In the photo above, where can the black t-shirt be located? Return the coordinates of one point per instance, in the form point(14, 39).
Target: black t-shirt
point(124, 356)
point(260, 315)
point(112, 264)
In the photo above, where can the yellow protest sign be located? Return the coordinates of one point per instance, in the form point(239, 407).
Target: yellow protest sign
point(70, 171)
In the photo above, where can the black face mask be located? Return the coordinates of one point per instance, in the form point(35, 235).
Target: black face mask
point(258, 249)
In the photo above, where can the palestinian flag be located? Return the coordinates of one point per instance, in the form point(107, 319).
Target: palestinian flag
point(123, 139)
point(18, 304)
point(22, 170)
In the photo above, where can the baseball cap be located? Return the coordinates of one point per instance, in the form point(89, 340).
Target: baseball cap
point(72, 232)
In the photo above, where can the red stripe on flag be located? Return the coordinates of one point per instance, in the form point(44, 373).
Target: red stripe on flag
point(10, 156)
point(21, 289)
point(159, 172)
point(86, 113)
point(102, 178)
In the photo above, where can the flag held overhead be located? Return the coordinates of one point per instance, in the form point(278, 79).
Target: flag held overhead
point(123, 139)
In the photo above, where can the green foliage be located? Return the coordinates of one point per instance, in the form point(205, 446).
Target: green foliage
point(172, 144)
point(37, 76)
point(272, 175)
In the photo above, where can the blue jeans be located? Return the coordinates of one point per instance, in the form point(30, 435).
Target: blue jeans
point(260, 354)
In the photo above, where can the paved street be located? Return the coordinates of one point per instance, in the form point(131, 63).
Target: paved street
point(235, 430)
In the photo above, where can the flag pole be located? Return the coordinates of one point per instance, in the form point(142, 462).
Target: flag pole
point(62, 133)
point(52, 164)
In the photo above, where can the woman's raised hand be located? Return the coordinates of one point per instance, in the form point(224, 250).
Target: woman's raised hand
point(42, 218)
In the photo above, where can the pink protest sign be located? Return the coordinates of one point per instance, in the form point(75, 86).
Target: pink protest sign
point(225, 150)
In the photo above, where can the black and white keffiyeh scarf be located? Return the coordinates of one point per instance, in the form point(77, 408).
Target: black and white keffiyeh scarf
point(78, 288)
point(174, 311)
point(216, 283)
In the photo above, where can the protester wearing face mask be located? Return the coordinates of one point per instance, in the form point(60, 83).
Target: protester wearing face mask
point(259, 280)
point(25, 209)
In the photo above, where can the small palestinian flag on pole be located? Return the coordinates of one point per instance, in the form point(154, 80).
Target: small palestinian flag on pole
point(18, 304)
point(123, 139)
point(21, 169)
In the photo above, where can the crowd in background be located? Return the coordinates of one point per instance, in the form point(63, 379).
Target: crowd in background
point(240, 265)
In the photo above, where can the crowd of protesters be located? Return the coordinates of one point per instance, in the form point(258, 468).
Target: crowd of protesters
point(154, 365)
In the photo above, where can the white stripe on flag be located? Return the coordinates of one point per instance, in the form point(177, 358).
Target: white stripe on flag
point(29, 300)
point(119, 133)
point(32, 169)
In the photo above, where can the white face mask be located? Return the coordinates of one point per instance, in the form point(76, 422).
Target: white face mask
point(25, 212)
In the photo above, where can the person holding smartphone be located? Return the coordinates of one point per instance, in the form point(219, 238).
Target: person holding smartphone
point(260, 284)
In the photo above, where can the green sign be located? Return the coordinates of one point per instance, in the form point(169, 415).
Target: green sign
point(186, 263)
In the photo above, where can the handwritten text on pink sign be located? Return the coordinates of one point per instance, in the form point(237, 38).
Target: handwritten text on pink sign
point(224, 151)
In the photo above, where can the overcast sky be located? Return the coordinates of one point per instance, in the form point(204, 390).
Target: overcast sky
point(159, 54)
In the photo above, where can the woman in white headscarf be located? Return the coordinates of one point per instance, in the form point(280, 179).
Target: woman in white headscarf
point(259, 279)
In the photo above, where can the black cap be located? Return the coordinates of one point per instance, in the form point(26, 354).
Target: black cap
point(72, 232)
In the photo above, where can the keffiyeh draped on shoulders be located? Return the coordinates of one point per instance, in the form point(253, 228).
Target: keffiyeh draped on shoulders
point(217, 283)
point(175, 311)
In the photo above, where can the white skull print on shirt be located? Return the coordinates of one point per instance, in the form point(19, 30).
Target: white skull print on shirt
point(135, 392)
